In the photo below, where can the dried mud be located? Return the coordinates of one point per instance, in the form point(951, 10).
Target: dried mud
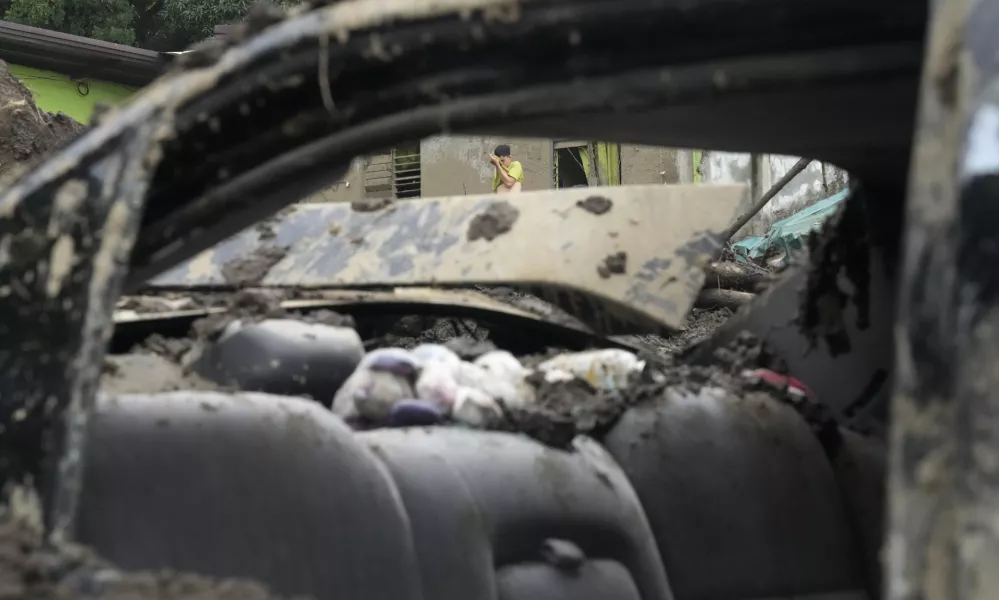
point(562, 411)
point(252, 268)
point(371, 204)
point(566, 409)
point(252, 305)
point(700, 324)
point(162, 303)
point(597, 205)
point(162, 364)
point(31, 571)
point(613, 264)
point(531, 304)
point(27, 133)
point(412, 330)
point(141, 373)
point(493, 222)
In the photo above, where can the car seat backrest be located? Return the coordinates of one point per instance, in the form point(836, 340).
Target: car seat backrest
point(283, 356)
point(860, 467)
point(499, 515)
point(247, 485)
point(741, 498)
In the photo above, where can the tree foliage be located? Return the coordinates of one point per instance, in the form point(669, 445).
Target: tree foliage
point(154, 24)
point(109, 20)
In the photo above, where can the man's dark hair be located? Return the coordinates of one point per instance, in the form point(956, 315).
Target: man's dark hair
point(502, 150)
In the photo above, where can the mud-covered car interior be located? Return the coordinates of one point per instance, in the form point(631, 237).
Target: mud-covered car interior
point(177, 338)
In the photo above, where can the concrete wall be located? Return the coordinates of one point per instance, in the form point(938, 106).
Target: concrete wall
point(459, 165)
point(349, 189)
point(454, 166)
point(643, 165)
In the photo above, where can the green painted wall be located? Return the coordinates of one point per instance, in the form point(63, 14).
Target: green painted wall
point(55, 92)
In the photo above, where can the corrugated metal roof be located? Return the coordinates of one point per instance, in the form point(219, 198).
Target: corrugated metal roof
point(78, 57)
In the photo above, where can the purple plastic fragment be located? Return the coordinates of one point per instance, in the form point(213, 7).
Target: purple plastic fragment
point(392, 360)
point(415, 413)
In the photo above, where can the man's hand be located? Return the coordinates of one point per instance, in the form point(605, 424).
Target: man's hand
point(494, 159)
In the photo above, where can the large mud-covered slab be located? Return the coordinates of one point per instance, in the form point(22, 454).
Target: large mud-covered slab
point(621, 259)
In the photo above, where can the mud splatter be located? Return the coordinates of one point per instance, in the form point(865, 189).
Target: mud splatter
point(69, 572)
point(149, 374)
point(597, 205)
point(371, 204)
point(841, 247)
point(265, 230)
point(251, 269)
point(531, 304)
point(566, 409)
point(146, 304)
point(161, 363)
point(700, 324)
point(613, 264)
point(174, 349)
point(493, 222)
point(413, 330)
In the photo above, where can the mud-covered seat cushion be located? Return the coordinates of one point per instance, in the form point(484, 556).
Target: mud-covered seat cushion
point(483, 506)
point(860, 467)
point(741, 498)
point(249, 485)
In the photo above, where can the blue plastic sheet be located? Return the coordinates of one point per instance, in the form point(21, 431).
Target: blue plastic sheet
point(789, 234)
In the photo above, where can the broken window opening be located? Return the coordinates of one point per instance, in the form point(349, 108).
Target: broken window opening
point(569, 170)
point(406, 176)
point(600, 163)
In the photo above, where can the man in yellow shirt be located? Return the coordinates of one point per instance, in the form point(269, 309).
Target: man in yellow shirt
point(509, 175)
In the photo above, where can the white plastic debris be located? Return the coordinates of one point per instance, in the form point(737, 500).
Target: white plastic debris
point(437, 384)
point(557, 375)
point(607, 369)
point(502, 364)
point(475, 408)
point(381, 379)
point(475, 394)
point(512, 392)
point(426, 353)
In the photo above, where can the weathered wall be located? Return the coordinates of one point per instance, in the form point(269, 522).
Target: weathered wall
point(349, 189)
point(643, 165)
point(818, 181)
point(453, 166)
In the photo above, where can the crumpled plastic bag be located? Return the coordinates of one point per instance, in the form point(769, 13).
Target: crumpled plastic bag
point(608, 369)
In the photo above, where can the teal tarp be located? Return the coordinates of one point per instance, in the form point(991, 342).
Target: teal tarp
point(789, 233)
point(746, 247)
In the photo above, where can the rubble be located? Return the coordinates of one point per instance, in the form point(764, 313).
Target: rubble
point(553, 399)
point(32, 570)
point(252, 268)
point(27, 133)
point(424, 370)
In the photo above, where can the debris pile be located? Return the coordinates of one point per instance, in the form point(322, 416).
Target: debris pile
point(32, 570)
point(551, 399)
point(432, 384)
point(27, 133)
point(422, 370)
point(729, 284)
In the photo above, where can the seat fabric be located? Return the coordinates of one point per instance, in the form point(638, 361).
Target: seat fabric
point(860, 465)
point(741, 498)
point(483, 505)
point(246, 485)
